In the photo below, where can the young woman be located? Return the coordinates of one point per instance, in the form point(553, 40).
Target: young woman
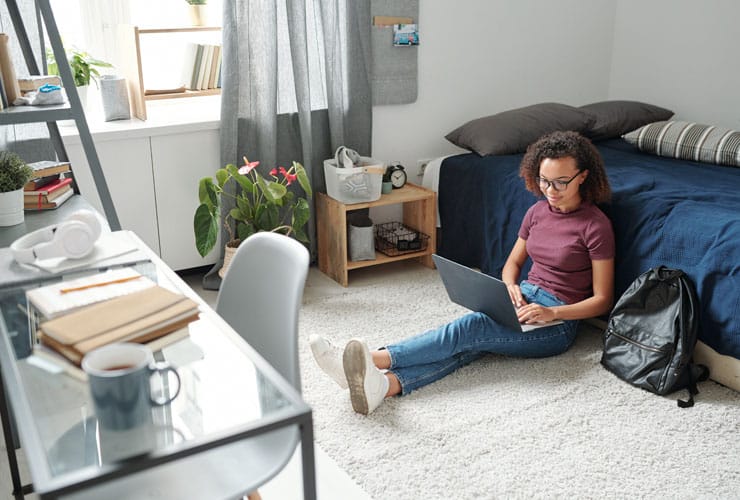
point(571, 244)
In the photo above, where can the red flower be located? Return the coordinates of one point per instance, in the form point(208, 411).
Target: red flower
point(248, 166)
point(288, 176)
point(273, 172)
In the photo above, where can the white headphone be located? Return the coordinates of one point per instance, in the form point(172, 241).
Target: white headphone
point(74, 238)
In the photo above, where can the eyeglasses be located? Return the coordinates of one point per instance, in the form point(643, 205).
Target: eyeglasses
point(557, 185)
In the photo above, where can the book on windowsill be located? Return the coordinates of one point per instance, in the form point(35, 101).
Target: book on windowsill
point(214, 67)
point(196, 66)
point(39, 182)
point(49, 167)
point(204, 65)
point(136, 317)
point(37, 204)
point(178, 90)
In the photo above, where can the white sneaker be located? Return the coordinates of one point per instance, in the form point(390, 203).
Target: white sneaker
point(329, 358)
point(367, 384)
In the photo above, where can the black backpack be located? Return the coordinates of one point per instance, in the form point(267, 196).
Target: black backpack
point(651, 333)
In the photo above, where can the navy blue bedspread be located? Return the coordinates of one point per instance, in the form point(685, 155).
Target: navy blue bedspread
point(677, 213)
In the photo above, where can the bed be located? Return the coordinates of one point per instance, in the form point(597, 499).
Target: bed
point(675, 212)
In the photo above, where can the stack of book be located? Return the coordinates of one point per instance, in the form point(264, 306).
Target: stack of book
point(49, 187)
point(203, 66)
point(74, 318)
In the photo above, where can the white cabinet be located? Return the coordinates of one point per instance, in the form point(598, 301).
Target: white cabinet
point(127, 165)
point(153, 175)
point(180, 161)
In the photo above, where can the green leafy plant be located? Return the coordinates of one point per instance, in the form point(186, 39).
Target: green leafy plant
point(196, 2)
point(82, 64)
point(261, 204)
point(14, 172)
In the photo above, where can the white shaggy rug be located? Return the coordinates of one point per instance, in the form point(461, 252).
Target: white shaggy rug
point(509, 428)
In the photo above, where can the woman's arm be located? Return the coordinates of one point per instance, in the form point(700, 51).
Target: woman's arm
point(596, 305)
point(512, 269)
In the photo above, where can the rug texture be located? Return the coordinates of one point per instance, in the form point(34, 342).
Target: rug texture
point(509, 428)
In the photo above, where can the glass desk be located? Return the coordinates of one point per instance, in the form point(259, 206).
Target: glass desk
point(234, 410)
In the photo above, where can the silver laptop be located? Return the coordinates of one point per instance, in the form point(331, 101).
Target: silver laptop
point(481, 293)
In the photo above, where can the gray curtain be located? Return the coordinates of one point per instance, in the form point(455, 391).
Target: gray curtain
point(274, 53)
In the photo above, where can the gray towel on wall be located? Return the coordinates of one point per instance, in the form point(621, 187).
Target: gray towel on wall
point(394, 69)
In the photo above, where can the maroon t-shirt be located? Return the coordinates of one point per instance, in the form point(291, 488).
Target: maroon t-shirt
point(562, 246)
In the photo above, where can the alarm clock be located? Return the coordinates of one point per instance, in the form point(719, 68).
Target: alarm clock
point(397, 175)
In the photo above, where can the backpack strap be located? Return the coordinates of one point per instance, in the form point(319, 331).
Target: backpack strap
point(702, 374)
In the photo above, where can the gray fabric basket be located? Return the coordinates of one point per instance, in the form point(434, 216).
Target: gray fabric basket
point(115, 98)
point(361, 238)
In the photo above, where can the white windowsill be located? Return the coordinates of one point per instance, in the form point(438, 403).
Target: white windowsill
point(164, 117)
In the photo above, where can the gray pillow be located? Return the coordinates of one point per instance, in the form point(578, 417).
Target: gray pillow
point(512, 131)
point(614, 118)
point(688, 141)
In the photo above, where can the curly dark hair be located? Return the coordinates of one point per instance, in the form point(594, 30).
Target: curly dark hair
point(562, 145)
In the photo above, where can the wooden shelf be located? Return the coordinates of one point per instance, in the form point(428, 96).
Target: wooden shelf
point(130, 62)
point(419, 212)
point(189, 29)
point(187, 93)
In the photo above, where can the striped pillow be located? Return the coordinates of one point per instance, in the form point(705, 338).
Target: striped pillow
point(688, 141)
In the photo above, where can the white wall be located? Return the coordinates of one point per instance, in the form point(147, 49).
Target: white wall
point(479, 57)
point(680, 54)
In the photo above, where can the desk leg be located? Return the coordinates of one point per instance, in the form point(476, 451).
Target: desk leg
point(18, 488)
point(308, 460)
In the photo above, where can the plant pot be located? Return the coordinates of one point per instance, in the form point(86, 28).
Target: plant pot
point(82, 93)
point(229, 252)
point(198, 15)
point(11, 208)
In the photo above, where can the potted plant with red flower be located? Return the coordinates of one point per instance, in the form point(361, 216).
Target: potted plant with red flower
point(261, 204)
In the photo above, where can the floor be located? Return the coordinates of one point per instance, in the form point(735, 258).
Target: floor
point(332, 482)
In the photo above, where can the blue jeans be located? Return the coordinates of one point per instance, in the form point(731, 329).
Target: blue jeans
point(425, 358)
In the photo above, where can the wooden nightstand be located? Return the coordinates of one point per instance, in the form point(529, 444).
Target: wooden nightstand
point(419, 212)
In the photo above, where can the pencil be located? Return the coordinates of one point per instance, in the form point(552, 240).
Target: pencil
point(102, 283)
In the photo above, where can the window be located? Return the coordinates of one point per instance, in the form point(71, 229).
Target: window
point(92, 26)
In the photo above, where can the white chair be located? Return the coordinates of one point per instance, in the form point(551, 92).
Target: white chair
point(260, 298)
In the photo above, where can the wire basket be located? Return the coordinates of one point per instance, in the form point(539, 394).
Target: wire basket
point(393, 238)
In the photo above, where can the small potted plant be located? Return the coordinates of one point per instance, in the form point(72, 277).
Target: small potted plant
point(387, 185)
point(84, 69)
point(14, 173)
point(83, 66)
point(198, 13)
point(261, 204)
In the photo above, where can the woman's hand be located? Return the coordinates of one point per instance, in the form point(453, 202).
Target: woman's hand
point(535, 313)
point(515, 293)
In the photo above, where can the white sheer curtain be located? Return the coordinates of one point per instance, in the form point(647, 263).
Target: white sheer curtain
point(100, 21)
point(296, 84)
